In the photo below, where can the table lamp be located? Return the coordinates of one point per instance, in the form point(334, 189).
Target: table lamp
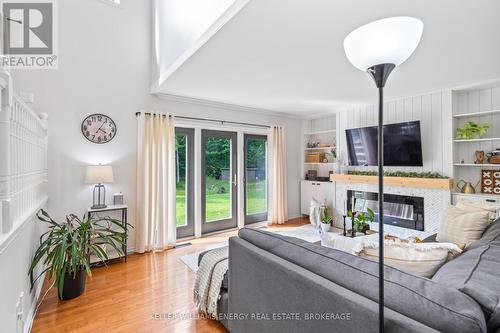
point(99, 175)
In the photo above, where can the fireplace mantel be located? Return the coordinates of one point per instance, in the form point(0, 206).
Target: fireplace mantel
point(428, 183)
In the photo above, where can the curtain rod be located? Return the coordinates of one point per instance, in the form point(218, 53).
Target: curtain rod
point(222, 122)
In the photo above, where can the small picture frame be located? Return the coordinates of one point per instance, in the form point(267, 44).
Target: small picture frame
point(118, 199)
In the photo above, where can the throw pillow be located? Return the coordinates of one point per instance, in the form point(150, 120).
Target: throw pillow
point(474, 206)
point(315, 212)
point(461, 226)
point(420, 259)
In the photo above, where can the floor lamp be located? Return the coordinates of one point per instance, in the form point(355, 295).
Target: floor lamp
point(377, 48)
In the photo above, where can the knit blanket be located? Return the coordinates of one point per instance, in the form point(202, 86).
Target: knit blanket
point(209, 277)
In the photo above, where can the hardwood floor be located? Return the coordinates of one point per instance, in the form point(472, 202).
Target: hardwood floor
point(136, 296)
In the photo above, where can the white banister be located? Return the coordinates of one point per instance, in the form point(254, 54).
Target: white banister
point(23, 159)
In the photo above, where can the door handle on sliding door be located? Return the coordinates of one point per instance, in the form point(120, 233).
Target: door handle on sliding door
point(235, 180)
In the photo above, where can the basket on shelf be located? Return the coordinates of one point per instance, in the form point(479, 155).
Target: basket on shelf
point(315, 157)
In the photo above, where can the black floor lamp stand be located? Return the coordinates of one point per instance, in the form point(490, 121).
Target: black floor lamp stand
point(380, 73)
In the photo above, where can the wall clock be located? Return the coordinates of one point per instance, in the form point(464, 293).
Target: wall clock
point(98, 128)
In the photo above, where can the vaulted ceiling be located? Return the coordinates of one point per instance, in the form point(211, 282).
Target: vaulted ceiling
point(287, 55)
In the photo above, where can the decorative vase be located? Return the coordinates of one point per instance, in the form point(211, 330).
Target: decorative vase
point(325, 227)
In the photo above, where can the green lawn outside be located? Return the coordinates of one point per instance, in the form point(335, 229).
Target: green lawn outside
point(218, 205)
point(256, 197)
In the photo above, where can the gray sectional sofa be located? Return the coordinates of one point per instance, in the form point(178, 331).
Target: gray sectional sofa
point(284, 284)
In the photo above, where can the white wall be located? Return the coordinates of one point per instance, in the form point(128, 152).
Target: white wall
point(15, 260)
point(104, 67)
point(434, 112)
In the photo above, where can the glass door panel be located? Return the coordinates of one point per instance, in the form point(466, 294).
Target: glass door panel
point(255, 178)
point(219, 180)
point(184, 162)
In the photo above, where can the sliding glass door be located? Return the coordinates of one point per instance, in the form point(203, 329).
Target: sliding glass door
point(255, 178)
point(184, 162)
point(219, 180)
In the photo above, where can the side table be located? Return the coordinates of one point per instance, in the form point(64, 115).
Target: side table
point(123, 209)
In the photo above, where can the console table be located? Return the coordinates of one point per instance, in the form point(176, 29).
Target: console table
point(123, 209)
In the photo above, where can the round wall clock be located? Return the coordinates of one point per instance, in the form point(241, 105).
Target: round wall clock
point(98, 128)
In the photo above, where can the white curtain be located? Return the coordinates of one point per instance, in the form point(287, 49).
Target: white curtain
point(155, 221)
point(278, 213)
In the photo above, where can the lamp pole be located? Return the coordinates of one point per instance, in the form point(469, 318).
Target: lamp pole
point(380, 73)
point(387, 43)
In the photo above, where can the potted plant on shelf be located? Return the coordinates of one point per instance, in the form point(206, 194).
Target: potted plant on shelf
point(361, 221)
point(471, 130)
point(326, 220)
point(66, 247)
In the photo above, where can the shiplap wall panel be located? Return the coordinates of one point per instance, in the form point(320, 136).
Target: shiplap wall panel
point(447, 132)
point(479, 100)
point(428, 108)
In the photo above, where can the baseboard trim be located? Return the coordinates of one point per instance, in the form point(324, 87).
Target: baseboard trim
point(31, 314)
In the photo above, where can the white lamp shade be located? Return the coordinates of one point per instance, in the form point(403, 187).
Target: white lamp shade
point(99, 174)
point(387, 41)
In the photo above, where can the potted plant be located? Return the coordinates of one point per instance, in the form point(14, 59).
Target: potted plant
point(472, 130)
point(361, 221)
point(326, 220)
point(66, 247)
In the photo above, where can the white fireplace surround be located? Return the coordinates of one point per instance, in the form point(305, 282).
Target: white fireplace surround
point(435, 202)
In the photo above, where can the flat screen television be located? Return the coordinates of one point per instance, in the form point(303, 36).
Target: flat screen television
point(402, 145)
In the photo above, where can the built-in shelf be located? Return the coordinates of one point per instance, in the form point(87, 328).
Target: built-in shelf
point(320, 132)
point(484, 165)
point(476, 114)
point(478, 140)
point(328, 163)
point(320, 148)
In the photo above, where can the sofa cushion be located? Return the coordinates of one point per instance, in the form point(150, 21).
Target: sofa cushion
point(462, 227)
point(477, 273)
point(443, 308)
point(491, 234)
point(420, 259)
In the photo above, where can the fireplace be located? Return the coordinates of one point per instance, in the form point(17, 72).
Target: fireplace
point(399, 210)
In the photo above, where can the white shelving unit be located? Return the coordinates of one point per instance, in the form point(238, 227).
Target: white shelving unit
point(323, 163)
point(476, 114)
point(321, 132)
point(324, 131)
point(320, 148)
point(480, 104)
point(484, 165)
point(477, 140)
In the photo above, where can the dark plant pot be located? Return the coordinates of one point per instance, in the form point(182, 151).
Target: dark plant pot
point(73, 286)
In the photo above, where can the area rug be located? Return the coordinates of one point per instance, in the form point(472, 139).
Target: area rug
point(306, 232)
point(191, 259)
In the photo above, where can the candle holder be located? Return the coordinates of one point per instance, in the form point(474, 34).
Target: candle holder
point(345, 231)
point(353, 233)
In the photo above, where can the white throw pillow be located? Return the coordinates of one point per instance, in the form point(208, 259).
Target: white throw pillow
point(474, 206)
point(420, 259)
point(315, 212)
point(462, 227)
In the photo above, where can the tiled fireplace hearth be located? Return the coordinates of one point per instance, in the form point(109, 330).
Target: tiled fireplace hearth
point(398, 211)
